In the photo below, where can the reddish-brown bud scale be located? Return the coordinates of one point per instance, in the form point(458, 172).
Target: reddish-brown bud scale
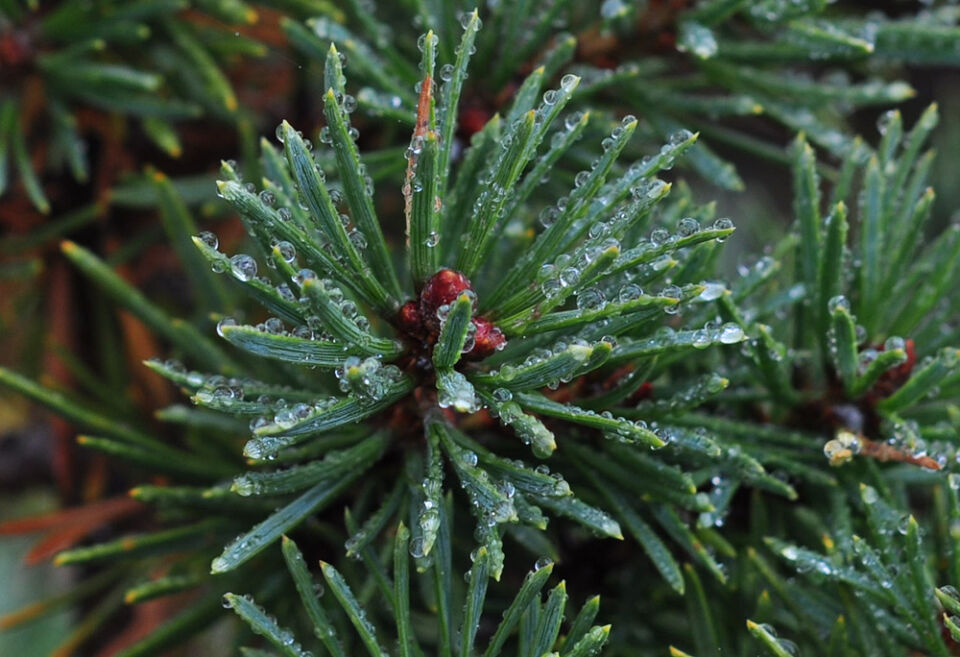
point(891, 380)
point(14, 48)
point(487, 340)
point(409, 320)
point(418, 320)
point(644, 392)
point(472, 120)
point(442, 288)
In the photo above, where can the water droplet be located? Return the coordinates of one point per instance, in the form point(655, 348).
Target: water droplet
point(209, 239)
point(572, 120)
point(893, 343)
point(678, 137)
point(731, 333)
point(722, 224)
point(358, 239)
point(548, 216)
point(502, 395)
point(542, 562)
point(287, 251)
point(886, 120)
point(698, 39)
point(417, 548)
point(838, 302)
point(224, 323)
point(590, 299)
point(569, 276)
point(629, 292)
point(688, 226)
point(243, 267)
point(712, 291)
point(700, 339)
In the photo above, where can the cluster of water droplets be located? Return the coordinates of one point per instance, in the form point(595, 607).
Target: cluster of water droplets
point(951, 592)
point(492, 500)
point(291, 415)
point(493, 193)
point(179, 372)
point(416, 183)
point(697, 39)
point(279, 132)
point(843, 447)
point(806, 561)
point(557, 486)
point(578, 348)
point(788, 646)
point(368, 380)
point(253, 483)
point(884, 573)
point(265, 448)
point(715, 332)
point(529, 429)
point(664, 159)
point(447, 71)
point(219, 390)
point(560, 278)
point(244, 268)
point(756, 270)
point(458, 393)
point(274, 326)
point(704, 388)
point(550, 214)
point(625, 431)
point(719, 498)
point(422, 40)
point(247, 485)
point(755, 346)
point(276, 633)
point(665, 337)
point(905, 436)
point(346, 306)
point(428, 518)
point(655, 250)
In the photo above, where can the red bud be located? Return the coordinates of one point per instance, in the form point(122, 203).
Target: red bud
point(442, 288)
point(409, 320)
point(487, 340)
